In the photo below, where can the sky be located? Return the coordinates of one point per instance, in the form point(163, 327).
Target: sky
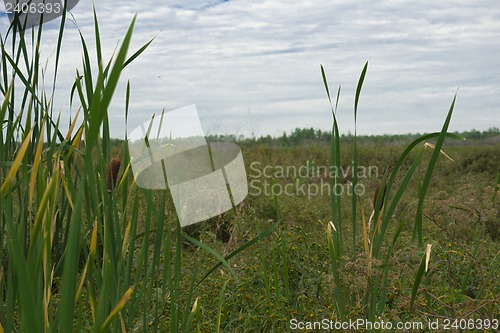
point(252, 68)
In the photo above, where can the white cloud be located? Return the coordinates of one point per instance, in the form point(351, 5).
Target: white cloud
point(232, 57)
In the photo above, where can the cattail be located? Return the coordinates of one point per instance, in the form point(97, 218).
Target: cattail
point(112, 173)
point(375, 197)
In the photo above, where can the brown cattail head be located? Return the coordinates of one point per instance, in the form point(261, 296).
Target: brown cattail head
point(112, 173)
point(375, 197)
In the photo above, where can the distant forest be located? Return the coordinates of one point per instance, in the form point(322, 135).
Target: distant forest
point(304, 136)
point(301, 136)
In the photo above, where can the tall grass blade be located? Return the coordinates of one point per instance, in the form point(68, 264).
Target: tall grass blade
point(138, 53)
point(116, 310)
point(190, 317)
point(430, 169)
point(355, 156)
point(65, 309)
point(211, 251)
point(418, 279)
point(36, 164)
point(5, 103)
point(339, 295)
point(97, 40)
point(395, 200)
point(30, 317)
point(219, 306)
point(16, 164)
point(394, 203)
point(59, 43)
point(240, 249)
point(335, 197)
point(358, 90)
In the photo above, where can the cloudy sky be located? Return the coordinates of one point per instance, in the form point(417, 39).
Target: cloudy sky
point(253, 67)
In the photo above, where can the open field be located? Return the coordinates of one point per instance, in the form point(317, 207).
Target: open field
point(86, 249)
point(289, 273)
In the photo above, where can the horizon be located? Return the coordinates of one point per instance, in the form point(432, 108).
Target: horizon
point(490, 132)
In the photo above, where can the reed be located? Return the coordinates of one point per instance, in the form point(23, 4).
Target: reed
point(384, 203)
point(112, 174)
point(84, 249)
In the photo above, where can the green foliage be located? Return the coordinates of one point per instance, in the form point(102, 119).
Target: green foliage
point(375, 292)
point(311, 136)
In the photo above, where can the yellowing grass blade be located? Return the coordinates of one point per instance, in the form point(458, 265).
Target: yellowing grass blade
point(118, 307)
point(68, 194)
point(365, 227)
point(78, 139)
point(93, 241)
point(42, 209)
point(93, 245)
point(331, 226)
point(47, 294)
point(427, 144)
point(427, 256)
point(379, 221)
point(124, 179)
point(36, 164)
point(6, 101)
point(418, 279)
point(195, 305)
point(92, 301)
point(122, 322)
point(72, 126)
point(125, 238)
point(16, 164)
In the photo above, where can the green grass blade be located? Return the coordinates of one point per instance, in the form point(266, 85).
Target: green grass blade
point(430, 169)
point(30, 317)
point(16, 164)
point(358, 90)
point(355, 156)
point(262, 235)
point(59, 44)
point(65, 309)
point(339, 295)
point(100, 104)
point(394, 203)
point(87, 73)
point(211, 251)
point(335, 197)
point(138, 53)
point(418, 279)
point(98, 40)
point(219, 305)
